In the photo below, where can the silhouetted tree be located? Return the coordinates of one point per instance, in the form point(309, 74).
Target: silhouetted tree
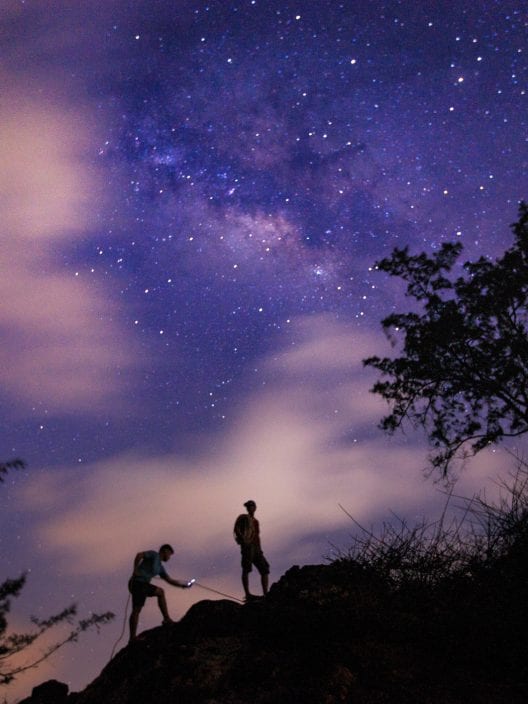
point(12, 644)
point(463, 371)
point(12, 464)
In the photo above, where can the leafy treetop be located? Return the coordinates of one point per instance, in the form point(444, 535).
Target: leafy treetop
point(463, 370)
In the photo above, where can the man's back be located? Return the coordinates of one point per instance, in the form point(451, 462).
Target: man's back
point(149, 567)
point(247, 530)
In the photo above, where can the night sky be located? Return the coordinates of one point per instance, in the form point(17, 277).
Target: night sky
point(194, 196)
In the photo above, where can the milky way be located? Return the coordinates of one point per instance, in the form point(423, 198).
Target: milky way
point(262, 156)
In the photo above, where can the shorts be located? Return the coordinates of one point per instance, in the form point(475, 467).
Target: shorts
point(253, 555)
point(140, 591)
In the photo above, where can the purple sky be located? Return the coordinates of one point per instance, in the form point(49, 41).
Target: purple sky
point(193, 196)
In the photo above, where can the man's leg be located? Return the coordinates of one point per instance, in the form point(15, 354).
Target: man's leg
point(263, 567)
point(247, 557)
point(245, 583)
point(162, 603)
point(133, 621)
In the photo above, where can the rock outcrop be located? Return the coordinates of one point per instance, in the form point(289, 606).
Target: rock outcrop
point(326, 634)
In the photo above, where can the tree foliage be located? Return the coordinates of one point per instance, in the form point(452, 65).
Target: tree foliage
point(15, 644)
point(12, 464)
point(463, 370)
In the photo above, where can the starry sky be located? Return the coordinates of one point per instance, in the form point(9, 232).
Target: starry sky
point(194, 196)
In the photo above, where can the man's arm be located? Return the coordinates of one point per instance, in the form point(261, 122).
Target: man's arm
point(175, 582)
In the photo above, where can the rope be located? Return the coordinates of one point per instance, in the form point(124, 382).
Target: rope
point(215, 591)
point(123, 629)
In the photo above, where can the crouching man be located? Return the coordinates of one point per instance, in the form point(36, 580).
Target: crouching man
point(146, 566)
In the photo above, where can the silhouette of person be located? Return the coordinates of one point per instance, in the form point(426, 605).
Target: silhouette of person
point(146, 566)
point(247, 535)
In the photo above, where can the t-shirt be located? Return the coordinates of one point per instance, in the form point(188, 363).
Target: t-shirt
point(149, 567)
point(247, 530)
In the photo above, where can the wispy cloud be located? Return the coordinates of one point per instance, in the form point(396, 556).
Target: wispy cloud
point(299, 447)
point(62, 343)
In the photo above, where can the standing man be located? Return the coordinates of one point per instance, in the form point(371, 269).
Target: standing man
point(247, 535)
point(146, 566)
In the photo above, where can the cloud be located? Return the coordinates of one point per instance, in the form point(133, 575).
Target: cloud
point(299, 447)
point(61, 344)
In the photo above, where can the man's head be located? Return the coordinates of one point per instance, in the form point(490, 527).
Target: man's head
point(251, 507)
point(165, 552)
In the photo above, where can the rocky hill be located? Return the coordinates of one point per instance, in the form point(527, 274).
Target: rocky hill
point(328, 634)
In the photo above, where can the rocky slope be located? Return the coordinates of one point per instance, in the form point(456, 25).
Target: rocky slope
point(325, 634)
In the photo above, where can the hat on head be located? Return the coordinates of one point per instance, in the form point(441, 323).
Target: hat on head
point(250, 503)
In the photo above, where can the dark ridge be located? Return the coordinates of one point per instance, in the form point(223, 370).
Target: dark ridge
point(328, 634)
